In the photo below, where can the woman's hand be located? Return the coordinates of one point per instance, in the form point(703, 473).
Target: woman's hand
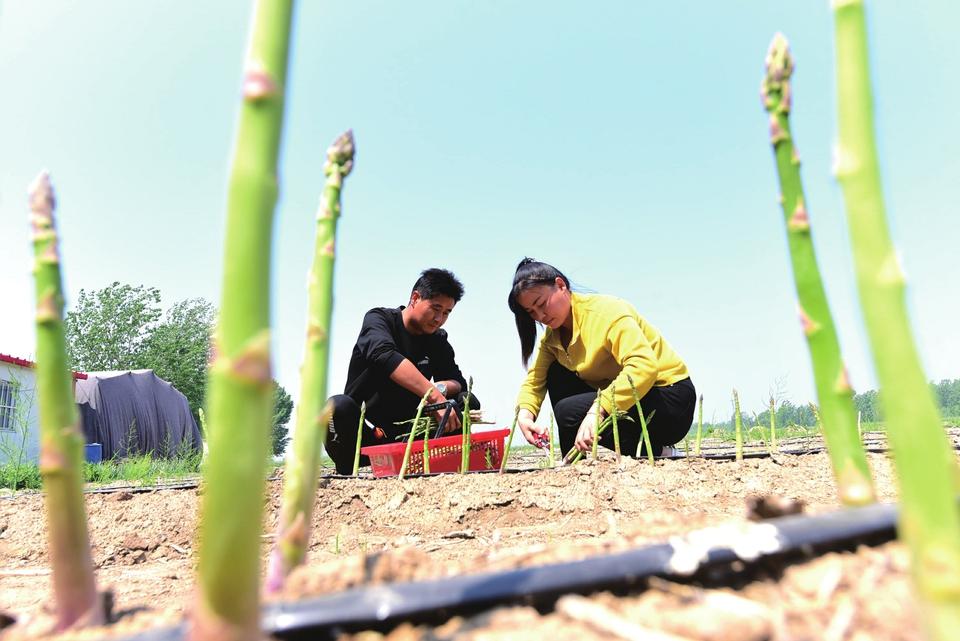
point(531, 431)
point(588, 429)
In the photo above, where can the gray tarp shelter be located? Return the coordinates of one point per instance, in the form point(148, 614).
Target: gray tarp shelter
point(135, 412)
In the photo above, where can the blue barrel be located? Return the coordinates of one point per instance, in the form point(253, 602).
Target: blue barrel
point(93, 452)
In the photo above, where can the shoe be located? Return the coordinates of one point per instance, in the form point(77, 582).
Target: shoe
point(669, 450)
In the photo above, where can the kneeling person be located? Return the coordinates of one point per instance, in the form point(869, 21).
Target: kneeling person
point(401, 353)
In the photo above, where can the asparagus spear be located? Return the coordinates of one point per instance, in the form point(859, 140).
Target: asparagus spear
point(616, 429)
point(643, 423)
point(313, 414)
point(738, 425)
point(596, 422)
point(924, 461)
point(466, 437)
point(240, 401)
point(696, 448)
point(413, 433)
point(61, 441)
point(356, 453)
point(847, 456)
point(506, 449)
point(773, 425)
point(552, 462)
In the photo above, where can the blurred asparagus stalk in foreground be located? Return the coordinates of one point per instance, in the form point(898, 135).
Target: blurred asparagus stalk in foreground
point(924, 460)
point(834, 393)
point(240, 390)
point(77, 603)
point(313, 414)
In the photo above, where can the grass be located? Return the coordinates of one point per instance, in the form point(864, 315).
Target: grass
point(143, 469)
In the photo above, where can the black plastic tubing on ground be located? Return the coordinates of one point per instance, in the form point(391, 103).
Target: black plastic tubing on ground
point(380, 607)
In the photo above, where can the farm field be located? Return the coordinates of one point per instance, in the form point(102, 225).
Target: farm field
point(380, 530)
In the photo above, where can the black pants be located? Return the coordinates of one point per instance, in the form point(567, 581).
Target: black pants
point(572, 398)
point(341, 444)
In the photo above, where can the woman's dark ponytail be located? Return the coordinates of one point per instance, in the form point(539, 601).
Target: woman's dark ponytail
point(530, 273)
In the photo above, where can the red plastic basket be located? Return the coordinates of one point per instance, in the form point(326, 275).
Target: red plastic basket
point(486, 452)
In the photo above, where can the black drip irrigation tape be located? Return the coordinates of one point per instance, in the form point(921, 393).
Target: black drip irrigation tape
point(711, 556)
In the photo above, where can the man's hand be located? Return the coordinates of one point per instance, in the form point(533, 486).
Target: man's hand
point(453, 421)
point(531, 431)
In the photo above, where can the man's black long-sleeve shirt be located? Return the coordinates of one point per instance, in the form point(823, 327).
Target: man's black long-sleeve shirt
point(382, 345)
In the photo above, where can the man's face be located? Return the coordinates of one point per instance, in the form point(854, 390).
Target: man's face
point(429, 314)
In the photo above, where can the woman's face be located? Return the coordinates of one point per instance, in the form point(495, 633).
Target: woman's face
point(547, 304)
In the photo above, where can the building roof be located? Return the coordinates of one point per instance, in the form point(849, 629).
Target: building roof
point(22, 362)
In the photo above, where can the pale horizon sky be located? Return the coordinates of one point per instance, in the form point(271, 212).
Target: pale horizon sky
point(623, 141)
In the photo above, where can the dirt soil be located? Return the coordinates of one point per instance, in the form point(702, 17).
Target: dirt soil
point(143, 548)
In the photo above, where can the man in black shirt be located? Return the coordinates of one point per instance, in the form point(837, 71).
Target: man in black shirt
point(401, 353)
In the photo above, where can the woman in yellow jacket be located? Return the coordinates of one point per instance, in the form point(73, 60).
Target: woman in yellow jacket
point(595, 342)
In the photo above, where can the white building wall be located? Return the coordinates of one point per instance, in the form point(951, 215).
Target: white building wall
point(24, 437)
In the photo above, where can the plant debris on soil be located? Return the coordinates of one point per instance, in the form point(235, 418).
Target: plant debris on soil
point(372, 531)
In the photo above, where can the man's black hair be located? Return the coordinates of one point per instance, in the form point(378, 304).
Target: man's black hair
point(438, 282)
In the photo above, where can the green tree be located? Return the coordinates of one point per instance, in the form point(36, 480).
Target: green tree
point(282, 409)
point(868, 404)
point(178, 349)
point(119, 327)
point(108, 329)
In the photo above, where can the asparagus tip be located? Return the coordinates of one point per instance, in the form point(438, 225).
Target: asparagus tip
point(341, 152)
point(779, 61)
point(775, 89)
point(41, 195)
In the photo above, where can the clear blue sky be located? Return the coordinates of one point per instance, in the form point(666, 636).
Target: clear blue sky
point(622, 141)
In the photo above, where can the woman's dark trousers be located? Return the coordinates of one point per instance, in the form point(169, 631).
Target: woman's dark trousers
point(673, 407)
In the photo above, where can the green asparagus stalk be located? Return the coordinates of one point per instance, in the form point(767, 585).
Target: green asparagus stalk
point(426, 446)
point(356, 452)
point(773, 425)
point(552, 459)
point(313, 414)
point(596, 422)
point(616, 429)
point(645, 441)
point(413, 433)
point(506, 449)
point(925, 463)
point(240, 401)
point(203, 437)
point(696, 447)
point(738, 425)
point(847, 456)
point(61, 441)
point(575, 455)
point(816, 416)
point(466, 438)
